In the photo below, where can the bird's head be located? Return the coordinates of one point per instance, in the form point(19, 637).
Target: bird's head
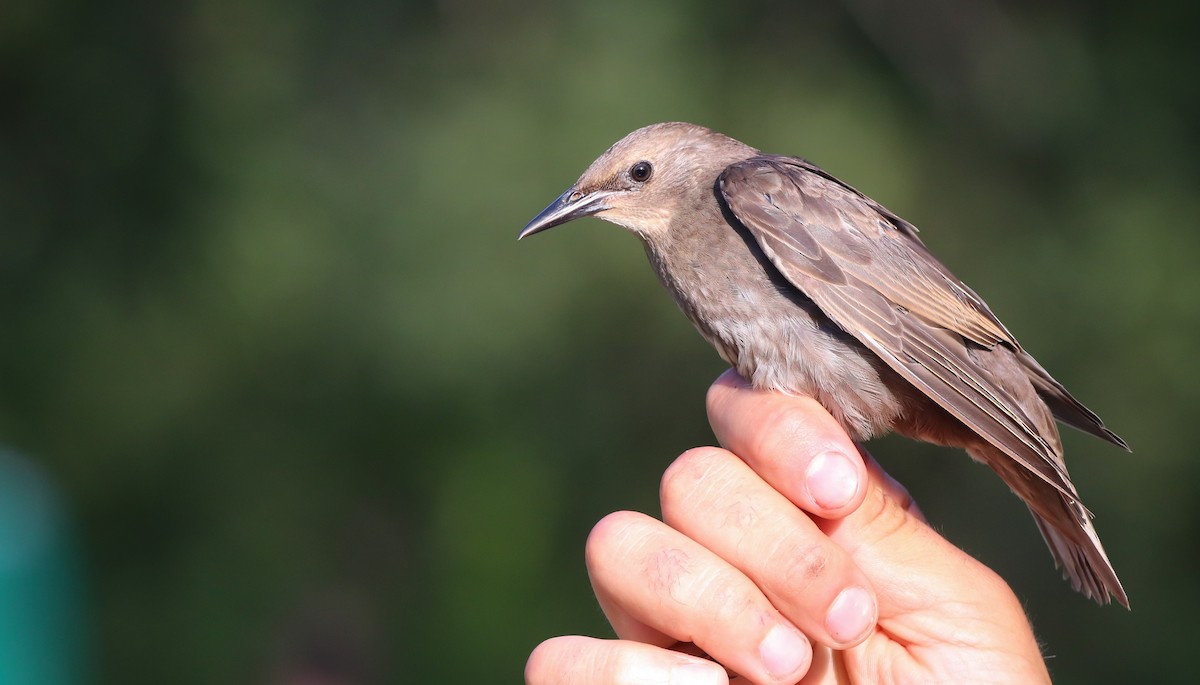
point(640, 181)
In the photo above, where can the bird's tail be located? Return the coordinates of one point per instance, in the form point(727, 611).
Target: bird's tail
point(1083, 561)
point(1066, 525)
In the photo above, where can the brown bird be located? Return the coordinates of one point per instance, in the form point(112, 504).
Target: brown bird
point(809, 287)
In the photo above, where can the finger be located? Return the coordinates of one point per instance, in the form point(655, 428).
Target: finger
point(576, 660)
point(792, 442)
point(657, 586)
point(717, 500)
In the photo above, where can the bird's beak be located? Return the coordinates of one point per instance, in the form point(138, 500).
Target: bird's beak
point(572, 204)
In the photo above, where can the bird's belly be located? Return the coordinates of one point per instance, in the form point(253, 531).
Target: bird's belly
point(793, 348)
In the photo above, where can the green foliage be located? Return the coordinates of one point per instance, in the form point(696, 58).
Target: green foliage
point(313, 407)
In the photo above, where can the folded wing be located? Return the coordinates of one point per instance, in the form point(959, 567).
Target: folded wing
point(869, 273)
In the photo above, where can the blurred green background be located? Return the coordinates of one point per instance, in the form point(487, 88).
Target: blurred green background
point(313, 411)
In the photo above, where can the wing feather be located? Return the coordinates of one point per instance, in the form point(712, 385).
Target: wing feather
point(867, 271)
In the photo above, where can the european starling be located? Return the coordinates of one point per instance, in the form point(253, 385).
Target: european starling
point(809, 287)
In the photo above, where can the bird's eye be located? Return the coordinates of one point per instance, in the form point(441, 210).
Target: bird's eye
point(640, 172)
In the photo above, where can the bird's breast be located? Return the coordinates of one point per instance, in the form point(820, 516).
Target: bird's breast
point(775, 336)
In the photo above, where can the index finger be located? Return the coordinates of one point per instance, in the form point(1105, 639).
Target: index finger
point(792, 442)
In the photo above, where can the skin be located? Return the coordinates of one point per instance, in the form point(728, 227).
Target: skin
point(756, 544)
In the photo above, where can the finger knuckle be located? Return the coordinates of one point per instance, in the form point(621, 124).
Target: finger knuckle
point(672, 573)
point(701, 588)
point(550, 661)
point(803, 563)
point(612, 534)
point(723, 597)
point(681, 477)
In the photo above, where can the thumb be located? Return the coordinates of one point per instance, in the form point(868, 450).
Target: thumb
point(911, 566)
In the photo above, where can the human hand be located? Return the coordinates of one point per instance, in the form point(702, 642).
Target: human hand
point(795, 560)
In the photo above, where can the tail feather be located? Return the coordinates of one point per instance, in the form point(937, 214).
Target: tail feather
point(1065, 525)
point(1083, 563)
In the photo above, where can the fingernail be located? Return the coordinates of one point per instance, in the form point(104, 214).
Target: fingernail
point(698, 673)
point(851, 615)
point(784, 651)
point(831, 479)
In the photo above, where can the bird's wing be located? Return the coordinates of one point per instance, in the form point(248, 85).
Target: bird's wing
point(1064, 406)
point(867, 271)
